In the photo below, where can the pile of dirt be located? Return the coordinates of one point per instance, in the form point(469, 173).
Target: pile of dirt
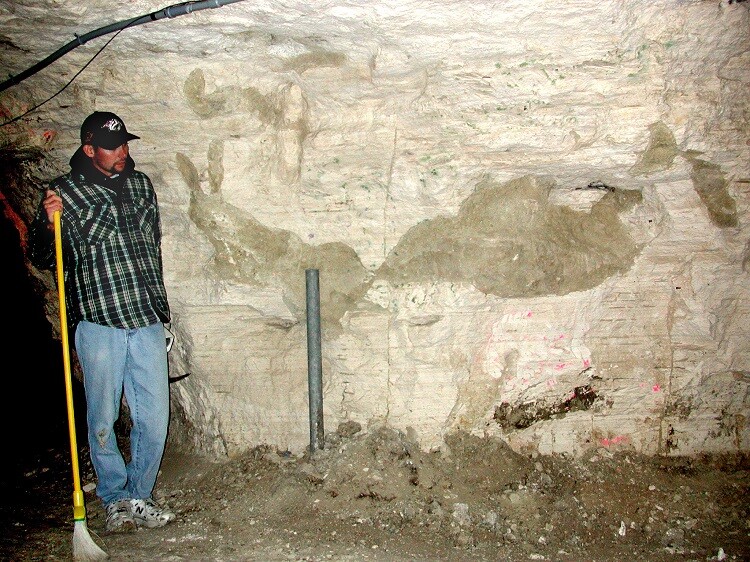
point(378, 496)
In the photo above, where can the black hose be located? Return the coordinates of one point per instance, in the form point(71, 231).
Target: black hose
point(168, 12)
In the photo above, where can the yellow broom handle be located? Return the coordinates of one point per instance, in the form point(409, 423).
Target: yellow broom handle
point(79, 511)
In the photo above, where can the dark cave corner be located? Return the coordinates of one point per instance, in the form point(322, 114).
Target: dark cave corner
point(35, 411)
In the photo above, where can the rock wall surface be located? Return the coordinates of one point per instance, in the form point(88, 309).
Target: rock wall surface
point(530, 218)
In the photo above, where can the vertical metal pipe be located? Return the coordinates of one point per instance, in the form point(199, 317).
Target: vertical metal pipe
point(314, 360)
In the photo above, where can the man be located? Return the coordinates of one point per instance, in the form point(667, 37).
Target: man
point(117, 305)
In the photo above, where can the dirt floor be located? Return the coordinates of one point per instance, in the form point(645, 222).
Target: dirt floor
point(378, 497)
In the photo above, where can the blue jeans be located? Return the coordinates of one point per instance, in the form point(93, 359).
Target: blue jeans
point(113, 360)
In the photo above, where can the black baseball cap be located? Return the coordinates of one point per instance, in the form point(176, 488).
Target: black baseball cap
point(105, 129)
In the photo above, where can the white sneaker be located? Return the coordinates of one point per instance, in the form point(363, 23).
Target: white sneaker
point(119, 517)
point(148, 513)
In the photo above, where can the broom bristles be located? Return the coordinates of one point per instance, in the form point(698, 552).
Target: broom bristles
point(84, 547)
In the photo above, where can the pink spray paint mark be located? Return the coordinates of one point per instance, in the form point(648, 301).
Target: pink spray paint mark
point(614, 440)
point(559, 366)
point(586, 363)
point(656, 388)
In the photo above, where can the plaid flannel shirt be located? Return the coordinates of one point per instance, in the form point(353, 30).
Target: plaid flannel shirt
point(112, 249)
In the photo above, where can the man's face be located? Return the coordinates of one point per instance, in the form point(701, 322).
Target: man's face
point(108, 162)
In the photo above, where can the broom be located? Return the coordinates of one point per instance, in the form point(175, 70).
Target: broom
point(84, 547)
